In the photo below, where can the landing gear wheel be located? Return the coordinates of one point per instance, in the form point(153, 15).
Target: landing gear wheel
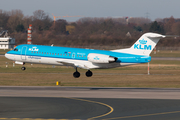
point(23, 68)
point(89, 73)
point(76, 74)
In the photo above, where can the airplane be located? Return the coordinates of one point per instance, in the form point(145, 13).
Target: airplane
point(86, 58)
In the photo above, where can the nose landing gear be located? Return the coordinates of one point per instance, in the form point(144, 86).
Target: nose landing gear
point(23, 68)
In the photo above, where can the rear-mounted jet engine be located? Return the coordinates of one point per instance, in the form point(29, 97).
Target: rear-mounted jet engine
point(100, 58)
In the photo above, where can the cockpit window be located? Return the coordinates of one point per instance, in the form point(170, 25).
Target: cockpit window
point(15, 49)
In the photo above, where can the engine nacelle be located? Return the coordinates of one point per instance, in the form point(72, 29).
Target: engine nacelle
point(100, 58)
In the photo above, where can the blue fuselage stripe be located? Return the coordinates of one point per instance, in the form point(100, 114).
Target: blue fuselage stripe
point(74, 53)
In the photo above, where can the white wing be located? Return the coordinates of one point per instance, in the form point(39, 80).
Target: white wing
point(73, 63)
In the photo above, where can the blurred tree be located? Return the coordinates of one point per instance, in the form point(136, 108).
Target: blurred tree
point(20, 28)
point(60, 26)
point(39, 14)
point(155, 27)
point(41, 21)
point(3, 19)
point(16, 18)
point(138, 28)
point(87, 31)
point(139, 21)
point(27, 20)
point(168, 22)
point(176, 28)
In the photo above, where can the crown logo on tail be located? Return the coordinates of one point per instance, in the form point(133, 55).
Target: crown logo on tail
point(142, 41)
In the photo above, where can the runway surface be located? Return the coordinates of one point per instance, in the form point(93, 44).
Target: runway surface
point(89, 103)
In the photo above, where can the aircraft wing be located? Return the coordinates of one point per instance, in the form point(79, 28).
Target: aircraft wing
point(73, 63)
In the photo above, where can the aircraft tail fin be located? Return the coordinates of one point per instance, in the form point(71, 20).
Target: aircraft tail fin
point(144, 45)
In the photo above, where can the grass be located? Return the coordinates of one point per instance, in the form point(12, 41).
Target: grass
point(166, 62)
point(163, 74)
point(2, 51)
point(136, 77)
point(162, 53)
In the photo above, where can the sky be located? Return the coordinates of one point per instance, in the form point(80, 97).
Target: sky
point(152, 9)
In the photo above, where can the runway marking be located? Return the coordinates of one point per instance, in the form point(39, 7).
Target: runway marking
point(96, 103)
point(34, 119)
point(143, 115)
point(71, 119)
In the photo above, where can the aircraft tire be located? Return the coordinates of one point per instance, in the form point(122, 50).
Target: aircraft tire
point(23, 68)
point(76, 74)
point(89, 73)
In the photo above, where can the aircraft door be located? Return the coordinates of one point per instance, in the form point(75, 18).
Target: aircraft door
point(73, 55)
point(23, 52)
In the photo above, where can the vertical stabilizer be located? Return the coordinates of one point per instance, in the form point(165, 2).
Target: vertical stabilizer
point(144, 45)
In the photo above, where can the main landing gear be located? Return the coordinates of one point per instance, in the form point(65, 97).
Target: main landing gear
point(89, 73)
point(77, 74)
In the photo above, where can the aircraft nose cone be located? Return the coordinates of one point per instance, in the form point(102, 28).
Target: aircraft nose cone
point(10, 56)
point(7, 55)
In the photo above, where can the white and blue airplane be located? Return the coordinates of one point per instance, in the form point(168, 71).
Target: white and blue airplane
point(86, 58)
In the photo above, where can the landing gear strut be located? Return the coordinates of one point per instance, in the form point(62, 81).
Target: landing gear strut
point(89, 73)
point(23, 68)
point(76, 74)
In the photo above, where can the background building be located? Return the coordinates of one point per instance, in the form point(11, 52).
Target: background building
point(5, 41)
